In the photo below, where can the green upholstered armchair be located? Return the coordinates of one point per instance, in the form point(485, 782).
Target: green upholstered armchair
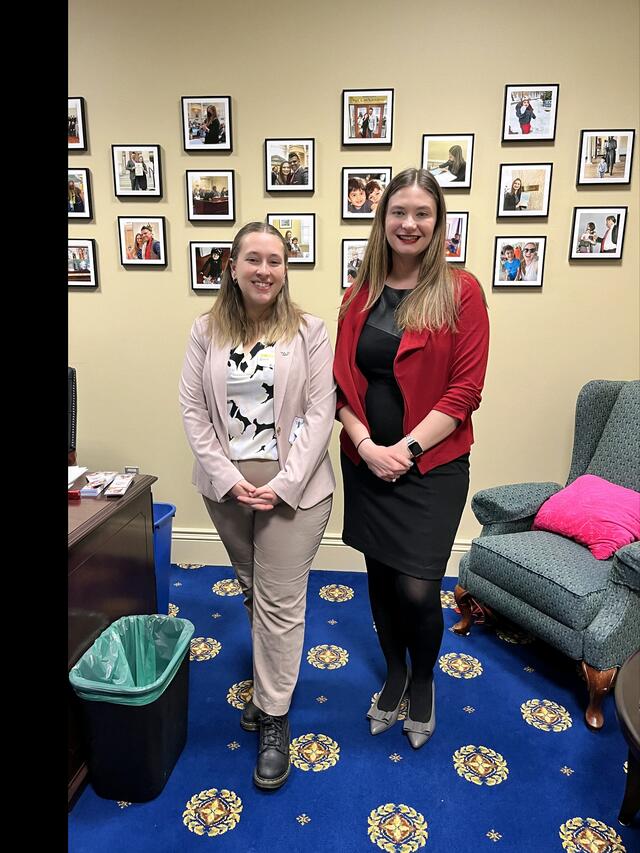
point(553, 587)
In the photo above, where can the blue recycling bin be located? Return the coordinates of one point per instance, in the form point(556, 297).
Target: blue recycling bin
point(162, 524)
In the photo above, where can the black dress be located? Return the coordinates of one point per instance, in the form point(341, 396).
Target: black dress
point(409, 525)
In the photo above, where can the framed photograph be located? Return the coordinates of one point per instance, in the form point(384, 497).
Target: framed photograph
point(362, 189)
point(449, 158)
point(142, 241)
point(79, 196)
point(530, 112)
point(597, 233)
point(136, 170)
point(605, 157)
point(519, 261)
point(524, 189)
point(352, 257)
point(210, 195)
point(77, 134)
point(206, 123)
point(299, 232)
point(367, 116)
point(81, 265)
point(456, 237)
point(289, 165)
point(208, 262)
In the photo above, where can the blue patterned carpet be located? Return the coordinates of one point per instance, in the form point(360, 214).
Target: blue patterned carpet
point(511, 767)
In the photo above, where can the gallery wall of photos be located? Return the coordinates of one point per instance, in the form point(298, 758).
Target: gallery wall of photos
point(523, 190)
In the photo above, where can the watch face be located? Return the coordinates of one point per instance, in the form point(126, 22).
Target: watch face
point(415, 448)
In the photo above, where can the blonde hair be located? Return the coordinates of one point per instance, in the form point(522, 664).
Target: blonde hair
point(433, 303)
point(228, 320)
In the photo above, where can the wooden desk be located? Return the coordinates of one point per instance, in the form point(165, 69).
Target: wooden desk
point(111, 573)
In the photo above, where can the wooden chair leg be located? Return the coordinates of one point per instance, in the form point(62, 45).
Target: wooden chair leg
point(464, 603)
point(599, 683)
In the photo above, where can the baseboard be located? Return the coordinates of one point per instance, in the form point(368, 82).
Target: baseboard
point(189, 545)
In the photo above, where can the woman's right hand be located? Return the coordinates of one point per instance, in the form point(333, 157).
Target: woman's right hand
point(242, 489)
point(388, 463)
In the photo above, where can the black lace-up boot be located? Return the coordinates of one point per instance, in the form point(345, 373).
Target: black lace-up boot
point(273, 765)
point(249, 717)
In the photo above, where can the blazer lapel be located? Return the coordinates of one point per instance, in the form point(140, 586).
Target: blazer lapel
point(218, 359)
point(284, 355)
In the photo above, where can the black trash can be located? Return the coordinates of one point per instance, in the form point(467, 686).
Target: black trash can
point(133, 683)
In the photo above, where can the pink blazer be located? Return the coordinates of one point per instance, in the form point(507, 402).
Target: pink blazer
point(303, 388)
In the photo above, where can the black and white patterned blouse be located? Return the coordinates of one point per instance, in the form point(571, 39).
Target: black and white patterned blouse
point(251, 422)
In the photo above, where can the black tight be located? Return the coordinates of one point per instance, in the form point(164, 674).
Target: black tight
point(408, 617)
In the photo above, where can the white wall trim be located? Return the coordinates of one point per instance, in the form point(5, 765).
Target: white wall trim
point(199, 545)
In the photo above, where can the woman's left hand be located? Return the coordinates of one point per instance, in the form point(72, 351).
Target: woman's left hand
point(263, 499)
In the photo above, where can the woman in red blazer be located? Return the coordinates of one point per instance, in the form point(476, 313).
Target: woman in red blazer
point(410, 361)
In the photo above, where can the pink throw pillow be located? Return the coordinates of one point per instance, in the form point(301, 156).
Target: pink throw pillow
point(594, 512)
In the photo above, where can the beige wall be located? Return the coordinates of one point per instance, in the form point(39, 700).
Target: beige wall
point(448, 66)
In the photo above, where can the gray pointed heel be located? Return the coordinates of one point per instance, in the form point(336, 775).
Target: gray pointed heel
point(419, 733)
point(379, 720)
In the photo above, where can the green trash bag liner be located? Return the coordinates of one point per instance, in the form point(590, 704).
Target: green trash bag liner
point(133, 661)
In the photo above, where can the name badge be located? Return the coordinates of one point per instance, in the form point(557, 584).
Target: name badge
point(266, 358)
point(296, 429)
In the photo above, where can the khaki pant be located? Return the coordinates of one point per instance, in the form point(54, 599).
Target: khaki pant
point(271, 553)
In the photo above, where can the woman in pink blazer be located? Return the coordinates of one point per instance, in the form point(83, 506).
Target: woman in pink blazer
point(258, 403)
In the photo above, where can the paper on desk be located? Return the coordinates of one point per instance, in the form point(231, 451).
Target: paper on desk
point(74, 472)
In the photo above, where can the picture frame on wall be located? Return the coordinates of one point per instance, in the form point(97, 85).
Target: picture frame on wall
point(142, 241)
point(605, 157)
point(455, 246)
point(524, 189)
point(289, 165)
point(518, 262)
point(362, 188)
point(449, 158)
point(367, 116)
point(79, 194)
point(206, 123)
point(530, 111)
point(352, 256)
point(208, 262)
point(82, 270)
point(77, 133)
point(299, 232)
point(211, 195)
point(597, 233)
point(136, 170)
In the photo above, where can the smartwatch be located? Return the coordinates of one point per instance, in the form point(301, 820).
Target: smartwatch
point(414, 448)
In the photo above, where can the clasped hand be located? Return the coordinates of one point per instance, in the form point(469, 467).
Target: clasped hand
point(260, 498)
point(388, 463)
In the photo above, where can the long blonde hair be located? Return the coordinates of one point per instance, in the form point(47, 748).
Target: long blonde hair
point(228, 320)
point(433, 303)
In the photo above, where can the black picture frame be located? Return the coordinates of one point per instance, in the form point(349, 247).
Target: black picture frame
point(194, 109)
point(456, 252)
point(277, 148)
point(348, 267)
point(592, 145)
point(127, 239)
point(597, 215)
point(292, 222)
point(206, 200)
point(77, 130)
point(354, 103)
point(82, 269)
point(199, 282)
point(502, 275)
point(366, 175)
point(126, 184)
point(436, 149)
point(513, 128)
point(79, 206)
point(508, 174)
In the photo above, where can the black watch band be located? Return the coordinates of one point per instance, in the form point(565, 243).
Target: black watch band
point(414, 448)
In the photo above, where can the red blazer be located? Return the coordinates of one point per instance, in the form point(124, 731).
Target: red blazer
point(434, 370)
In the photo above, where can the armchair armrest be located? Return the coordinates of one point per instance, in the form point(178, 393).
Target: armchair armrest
point(511, 503)
point(626, 566)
